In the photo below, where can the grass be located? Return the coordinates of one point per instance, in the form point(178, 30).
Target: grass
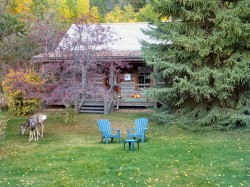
point(72, 155)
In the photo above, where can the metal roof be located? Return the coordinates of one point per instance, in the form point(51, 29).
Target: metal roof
point(127, 43)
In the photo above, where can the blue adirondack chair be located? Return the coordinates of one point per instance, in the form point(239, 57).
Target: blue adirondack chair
point(141, 126)
point(106, 130)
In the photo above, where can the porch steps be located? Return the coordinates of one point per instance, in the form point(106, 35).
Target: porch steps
point(93, 107)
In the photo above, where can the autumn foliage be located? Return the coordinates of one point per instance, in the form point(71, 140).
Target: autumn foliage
point(22, 89)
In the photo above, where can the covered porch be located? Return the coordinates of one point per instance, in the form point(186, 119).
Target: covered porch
point(124, 90)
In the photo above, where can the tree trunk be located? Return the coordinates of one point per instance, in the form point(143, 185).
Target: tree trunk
point(84, 78)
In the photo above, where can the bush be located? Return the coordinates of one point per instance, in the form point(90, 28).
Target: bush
point(69, 116)
point(21, 90)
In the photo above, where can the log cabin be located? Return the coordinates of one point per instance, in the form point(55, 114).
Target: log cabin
point(128, 89)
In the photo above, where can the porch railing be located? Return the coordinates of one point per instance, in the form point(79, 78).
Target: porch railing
point(128, 89)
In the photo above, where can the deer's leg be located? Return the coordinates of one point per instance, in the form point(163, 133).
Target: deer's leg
point(34, 134)
point(31, 135)
point(37, 133)
point(42, 127)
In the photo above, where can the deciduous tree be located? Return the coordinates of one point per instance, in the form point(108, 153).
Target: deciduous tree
point(84, 59)
point(120, 16)
point(21, 89)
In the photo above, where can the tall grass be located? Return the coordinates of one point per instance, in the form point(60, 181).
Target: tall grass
point(72, 155)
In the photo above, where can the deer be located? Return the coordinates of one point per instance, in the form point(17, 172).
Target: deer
point(33, 122)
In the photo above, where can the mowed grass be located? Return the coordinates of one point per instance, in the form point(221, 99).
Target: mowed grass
point(72, 155)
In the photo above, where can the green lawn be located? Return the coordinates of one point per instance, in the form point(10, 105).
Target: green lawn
point(72, 155)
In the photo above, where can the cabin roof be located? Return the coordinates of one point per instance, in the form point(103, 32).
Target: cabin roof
point(127, 43)
point(127, 35)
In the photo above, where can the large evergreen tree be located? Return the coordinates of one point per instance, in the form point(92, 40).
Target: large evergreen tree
point(206, 69)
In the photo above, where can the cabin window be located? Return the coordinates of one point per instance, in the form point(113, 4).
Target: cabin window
point(143, 77)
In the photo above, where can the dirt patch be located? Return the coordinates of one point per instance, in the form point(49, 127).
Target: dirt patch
point(53, 111)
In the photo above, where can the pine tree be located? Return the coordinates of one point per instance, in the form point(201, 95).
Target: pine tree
point(206, 69)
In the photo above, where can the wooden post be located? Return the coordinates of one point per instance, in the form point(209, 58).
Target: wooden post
point(76, 105)
point(119, 87)
point(136, 81)
point(105, 106)
point(112, 79)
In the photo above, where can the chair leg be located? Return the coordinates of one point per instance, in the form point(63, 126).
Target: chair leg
point(106, 140)
point(112, 139)
point(133, 146)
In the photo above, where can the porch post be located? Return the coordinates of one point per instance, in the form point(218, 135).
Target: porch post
point(76, 105)
point(105, 106)
point(112, 79)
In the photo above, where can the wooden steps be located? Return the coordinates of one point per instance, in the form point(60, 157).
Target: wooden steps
point(97, 106)
point(93, 107)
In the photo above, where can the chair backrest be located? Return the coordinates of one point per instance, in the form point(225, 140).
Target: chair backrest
point(104, 125)
point(140, 125)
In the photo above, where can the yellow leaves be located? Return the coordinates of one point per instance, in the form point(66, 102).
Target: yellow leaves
point(13, 77)
point(19, 84)
point(74, 10)
point(119, 15)
point(20, 6)
point(83, 6)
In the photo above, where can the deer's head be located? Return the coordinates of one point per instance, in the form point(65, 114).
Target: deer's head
point(32, 123)
point(24, 127)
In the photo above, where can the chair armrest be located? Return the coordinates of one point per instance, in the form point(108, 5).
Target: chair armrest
point(115, 129)
point(131, 129)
